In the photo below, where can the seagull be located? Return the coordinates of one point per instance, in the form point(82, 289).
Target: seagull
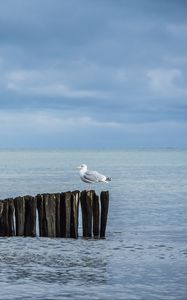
point(91, 176)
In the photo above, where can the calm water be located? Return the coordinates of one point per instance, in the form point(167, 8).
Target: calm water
point(145, 253)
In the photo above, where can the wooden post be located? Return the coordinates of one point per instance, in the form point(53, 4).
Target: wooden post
point(87, 212)
point(41, 216)
point(74, 214)
point(30, 216)
point(104, 198)
point(50, 210)
point(19, 204)
point(11, 227)
point(65, 214)
point(3, 218)
point(62, 216)
point(46, 210)
point(7, 218)
point(57, 213)
point(96, 217)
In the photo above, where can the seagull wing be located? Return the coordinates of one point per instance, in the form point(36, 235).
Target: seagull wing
point(93, 176)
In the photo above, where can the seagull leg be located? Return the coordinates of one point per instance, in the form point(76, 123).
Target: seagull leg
point(89, 187)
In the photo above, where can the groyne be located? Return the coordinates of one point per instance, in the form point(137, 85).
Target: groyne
point(55, 215)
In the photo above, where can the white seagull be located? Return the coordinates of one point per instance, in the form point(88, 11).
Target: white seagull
point(91, 176)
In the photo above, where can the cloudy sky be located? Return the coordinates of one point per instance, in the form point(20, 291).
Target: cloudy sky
point(93, 73)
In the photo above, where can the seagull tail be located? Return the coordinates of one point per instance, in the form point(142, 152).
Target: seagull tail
point(108, 179)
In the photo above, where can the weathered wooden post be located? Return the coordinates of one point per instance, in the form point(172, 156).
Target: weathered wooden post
point(3, 218)
point(62, 216)
point(46, 212)
point(6, 218)
point(19, 203)
point(30, 216)
point(87, 212)
point(74, 214)
point(65, 214)
point(41, 216)
point(96, 216)
point(11, 209)
point(50, 211)
point(104, 198)
point(58, 215)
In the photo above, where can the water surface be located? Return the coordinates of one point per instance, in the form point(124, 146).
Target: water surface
point(145, 253)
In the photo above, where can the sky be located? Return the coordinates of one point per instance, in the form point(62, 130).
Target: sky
point(102, 74)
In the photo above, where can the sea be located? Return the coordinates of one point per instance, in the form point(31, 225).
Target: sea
point(144, 255)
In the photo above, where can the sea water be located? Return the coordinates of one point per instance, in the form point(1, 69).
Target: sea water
point(144, 255)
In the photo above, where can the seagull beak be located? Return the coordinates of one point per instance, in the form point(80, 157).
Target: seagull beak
point(79, 167)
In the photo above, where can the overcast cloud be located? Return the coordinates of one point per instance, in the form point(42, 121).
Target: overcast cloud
point(93, 73)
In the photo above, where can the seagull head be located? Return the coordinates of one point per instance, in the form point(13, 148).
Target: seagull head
point(82, 167)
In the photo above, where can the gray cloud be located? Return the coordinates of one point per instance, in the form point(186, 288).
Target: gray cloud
point(114, 62)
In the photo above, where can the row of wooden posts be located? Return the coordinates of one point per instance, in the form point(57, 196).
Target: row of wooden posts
point(57, 214)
